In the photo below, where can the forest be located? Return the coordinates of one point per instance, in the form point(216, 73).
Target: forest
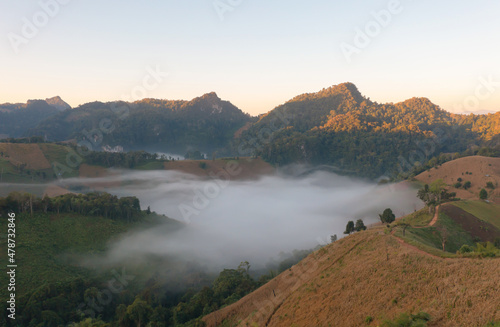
point(338, 126)
point(55, 292)
point(206, 123)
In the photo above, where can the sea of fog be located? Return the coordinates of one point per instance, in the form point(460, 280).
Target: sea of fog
point(254, 220)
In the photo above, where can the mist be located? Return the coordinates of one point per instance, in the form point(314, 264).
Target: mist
point(227, 222)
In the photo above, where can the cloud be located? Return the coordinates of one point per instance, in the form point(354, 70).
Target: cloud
point(250, 220)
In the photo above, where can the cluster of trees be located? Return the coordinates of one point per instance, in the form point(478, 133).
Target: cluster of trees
point(195, 155)
point(129, 160)
point(152, 305)
point(24, 140)
point(93, 204)
point(435, 194)
point(351, 227)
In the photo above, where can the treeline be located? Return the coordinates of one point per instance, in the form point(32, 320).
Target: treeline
point(92, 204)
point(129, 160)
point(24, 140)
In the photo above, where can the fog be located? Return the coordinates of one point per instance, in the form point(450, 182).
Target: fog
point(232, 221)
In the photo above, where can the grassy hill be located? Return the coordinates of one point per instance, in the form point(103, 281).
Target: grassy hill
point(374, 276)
point(476, 169)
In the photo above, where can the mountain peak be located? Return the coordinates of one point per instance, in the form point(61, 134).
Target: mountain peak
point(347, 89)
point(58, 103)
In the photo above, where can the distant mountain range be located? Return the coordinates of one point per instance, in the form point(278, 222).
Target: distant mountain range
point(336, 126)
point(205, 123)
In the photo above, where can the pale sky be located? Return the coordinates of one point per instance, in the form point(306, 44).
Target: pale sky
point(261, 54)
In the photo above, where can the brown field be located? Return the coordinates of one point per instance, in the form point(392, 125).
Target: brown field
point(372, 274)
point(479, 166)
point(54, 190)
point(29, 154)
point(246, 168)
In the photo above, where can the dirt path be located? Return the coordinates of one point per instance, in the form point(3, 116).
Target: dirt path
point(435, 218)
point(431, 223)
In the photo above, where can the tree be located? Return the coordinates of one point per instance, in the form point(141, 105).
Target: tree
point(349, 228)
point(404, 225)
point(490, 185)
point(467, 185)
point(387, 216)
point(139, 311)
point(483, 194)
point(360, 225)
point(333, 238)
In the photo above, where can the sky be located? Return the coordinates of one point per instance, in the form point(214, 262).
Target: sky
point(257, 54)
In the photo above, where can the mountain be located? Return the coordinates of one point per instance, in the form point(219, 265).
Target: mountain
point(58, 103)
point(205, 123)
point(340, 127)
point(16, 119)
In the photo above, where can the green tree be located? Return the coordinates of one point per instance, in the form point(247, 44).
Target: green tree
point(467, 185)
point(387, 216)
point(483, 194)
point(360, 225)
point(349, 228)
point(139, 312)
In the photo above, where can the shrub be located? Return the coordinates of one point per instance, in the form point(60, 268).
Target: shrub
point(405, 320)
point(490, 185)
point(465, 249)
point(467, 185)
point(457, 185)
point(483, 195)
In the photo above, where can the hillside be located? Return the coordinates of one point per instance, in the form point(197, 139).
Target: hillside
point(367, 278)
point(476, 169)
point(16, 119)
point(205, 123)
point(339, 126)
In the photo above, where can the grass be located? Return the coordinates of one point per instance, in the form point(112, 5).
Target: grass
point(488, 212)
point(420, 218)
point(429, 239)
point(54, 152)
point(154, 165)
